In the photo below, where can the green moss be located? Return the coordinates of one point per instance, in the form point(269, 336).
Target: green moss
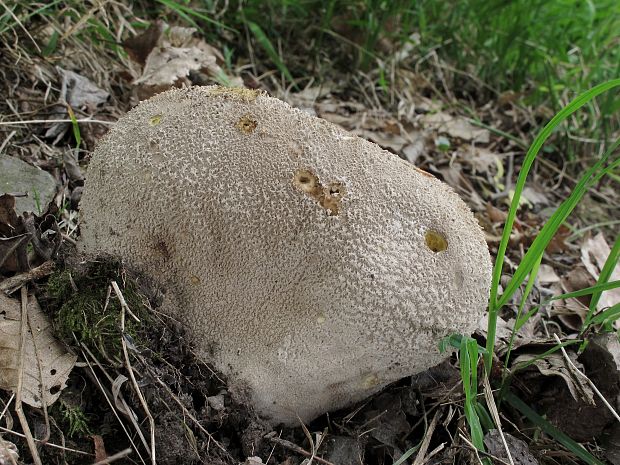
point(73, 419)
point(82, 307)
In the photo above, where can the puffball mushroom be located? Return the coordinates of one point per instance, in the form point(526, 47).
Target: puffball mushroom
point(310, 266)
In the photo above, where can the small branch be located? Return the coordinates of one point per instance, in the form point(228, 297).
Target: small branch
point(11, 284)
point(419, 459)
point(295, 448)
point(124, 305)
point(583, 376)
point(115, 457)
point(488, 394)
point(52, 121)
point(132, 376)
point(47, 444)
point(20, 380)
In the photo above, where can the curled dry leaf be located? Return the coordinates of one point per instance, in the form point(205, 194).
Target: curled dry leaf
point(555, 365)
point(76, 91)
point(8, 452)
point(572, 312)
point(170, 54)
point(17, 232)
point(47, 363)
point(594, 253)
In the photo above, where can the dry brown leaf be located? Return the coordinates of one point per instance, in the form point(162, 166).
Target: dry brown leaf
point(483, 160)
point(100, 452)
point(454, 177)
point(495, 214)
point(8, 452)
point(174, 53)
point(385, 140)
point(519, 450)
point(547, 275)
point(47, 363)
point(456, 127)
point(558, 242)
point(594, 253)
point(78, 92)
point(418, 147)
point(555, 365)
point(572, 312)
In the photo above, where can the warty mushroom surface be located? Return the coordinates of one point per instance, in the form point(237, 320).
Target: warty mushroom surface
point(310, 266)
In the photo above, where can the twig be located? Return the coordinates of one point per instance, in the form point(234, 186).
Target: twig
point(6, 407)
point(295, 448)
point(115, 457)
point(46, 121)
point(478, 452)
point(11, 284)
point(579, 373)
point(488, 394)
point(419, 458)
point(185, 411)
point(132, 376)
point(42, 387)
point(86, 350)
point(47, 444)
point(435, 451)
point(20, 380)
point(7, 139)
point(124, 305)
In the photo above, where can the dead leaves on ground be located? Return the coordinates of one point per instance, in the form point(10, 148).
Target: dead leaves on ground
point(168, 55)
point(26, 240)
point(45, 361)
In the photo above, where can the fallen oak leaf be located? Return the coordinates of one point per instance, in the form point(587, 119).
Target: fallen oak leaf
point(47, 363)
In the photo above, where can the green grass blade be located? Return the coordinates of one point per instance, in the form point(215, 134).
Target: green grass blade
point(602, 287)
point(572, 446)
point(264, 41)
point(608, 269)
point(75, 126)
point(469, 376)
point(548, 231)
point(563, 114)
point(406, 455)
point(186, 13)
point(607, 316)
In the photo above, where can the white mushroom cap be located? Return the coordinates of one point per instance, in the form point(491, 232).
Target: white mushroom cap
point(309, 265)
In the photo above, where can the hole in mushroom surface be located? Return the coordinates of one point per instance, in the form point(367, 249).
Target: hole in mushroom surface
point(246, 124)
point(435, 241)
point(307, 182)
point(328, 197)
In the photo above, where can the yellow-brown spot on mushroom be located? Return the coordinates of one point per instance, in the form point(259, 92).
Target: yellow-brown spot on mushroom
point(370, 381)
point(155, 120)
point(194, 280)
point(246, 124)
point(321, 319)
point(435, 241)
